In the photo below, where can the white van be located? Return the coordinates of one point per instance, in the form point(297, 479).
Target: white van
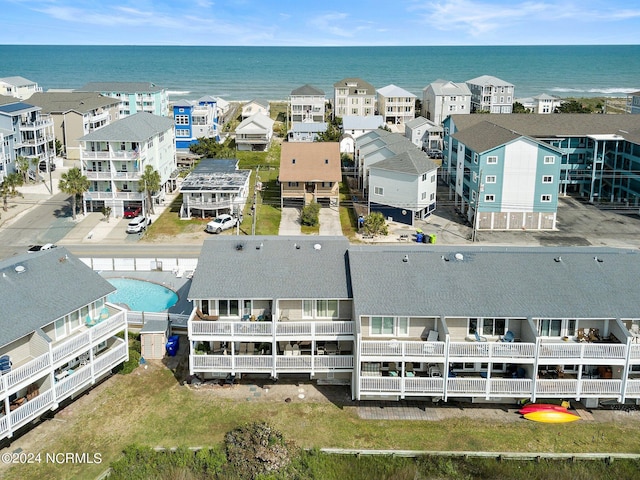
point(138, 224)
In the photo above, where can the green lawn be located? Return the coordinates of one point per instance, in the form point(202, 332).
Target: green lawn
point(149, 407)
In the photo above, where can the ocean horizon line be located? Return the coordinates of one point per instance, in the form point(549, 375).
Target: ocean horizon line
point(110, 45)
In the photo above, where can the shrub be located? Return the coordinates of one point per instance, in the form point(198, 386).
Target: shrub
point(375, 224)
point(310, 214)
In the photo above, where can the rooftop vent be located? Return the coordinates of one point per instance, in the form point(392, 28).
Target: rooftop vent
point(317, 246)
point(599, 260)
point(446, 259)
point(405, 258)
point(258, 247)
point(297, 246)
point(557, 259)
point(239, 247)
point(20, 269)
point(459, 257)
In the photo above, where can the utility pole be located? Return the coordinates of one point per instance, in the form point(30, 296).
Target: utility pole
point(254, 208)
point(476, 216)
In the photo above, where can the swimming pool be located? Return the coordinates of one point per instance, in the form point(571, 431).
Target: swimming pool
point(141, 296)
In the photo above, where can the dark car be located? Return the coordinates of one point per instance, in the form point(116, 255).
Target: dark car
point(434, 153)
point(132, 212)
point(42, 166)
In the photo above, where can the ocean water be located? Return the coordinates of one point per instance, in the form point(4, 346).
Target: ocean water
point(243, 73)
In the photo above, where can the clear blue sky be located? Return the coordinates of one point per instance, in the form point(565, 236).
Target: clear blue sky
point(319, 22)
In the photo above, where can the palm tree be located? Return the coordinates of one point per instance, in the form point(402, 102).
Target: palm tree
point(74, 184)
point(149, 183)
point(22, 165)
point(8, 188)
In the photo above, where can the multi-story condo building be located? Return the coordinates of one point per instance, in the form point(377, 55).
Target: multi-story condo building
point(27, 133)
point(18, 87)
point(213, 187)
point(600, 153)
point(542, 104)
point(307, 104)
point(503, 180)
point(490, 94)
point(335, 321)
point(134, 96)
point(443, 98)
point(4, 156)
point(57, 335)
point(353, 97)
point(76, 114)
point(114, 157)
point(396, 105)
point(424, 133)
point(294, 316)
point(194, 120)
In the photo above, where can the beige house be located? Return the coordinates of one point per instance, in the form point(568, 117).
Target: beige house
point(76, 114)
point(310, 172)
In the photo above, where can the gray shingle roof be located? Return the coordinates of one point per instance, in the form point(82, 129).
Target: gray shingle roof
point(489, 80)
point(276, 270)
point(354, 84)
point(357, 122)
point(53, 283)
point(136, 128)
point(485, 136)
point(61, 102)
point(17, 81)
point(557, 125)
point(395, 91)
point(495, 281)
point(413, 162)
point(446, 87)
point(307, 90)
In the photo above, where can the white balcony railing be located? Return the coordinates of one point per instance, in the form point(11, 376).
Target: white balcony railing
point(111, 358)
point(30, 409)
point(376, 348)
point(557, 387)
point(28, 371)
point(424, 385)
point(225, 328)
point(298, 362)
point(4, 426)
point(607, 388)
point(252, 328)
point(466, 386)
point(71, 383)
point(633, 388)
point(513, 386)
point(116, 154)
point(635, 351)
point(254, 363)
point(110, 326)
point(492, 349)
point(76, 344)
point(333, 361)
point(380, 384)
point(211, 363)
point(583, 350)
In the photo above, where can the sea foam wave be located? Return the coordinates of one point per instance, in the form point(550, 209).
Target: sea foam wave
point(604, 91)
point(178, 92)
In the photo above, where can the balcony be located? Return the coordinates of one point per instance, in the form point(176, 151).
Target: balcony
point(27, 372)
point(112, 175)
point(392, 348)
point(600, 353)
point(108, 154)
point(262, 329)
point(266, 363)
point(489, 350)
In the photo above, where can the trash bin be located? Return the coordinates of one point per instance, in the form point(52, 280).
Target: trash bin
point(425, 238)
point(419, 237)
point(172, 345)
point(432, 238)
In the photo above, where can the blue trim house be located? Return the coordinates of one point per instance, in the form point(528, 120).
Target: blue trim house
point(503, 180)
point(194, 120)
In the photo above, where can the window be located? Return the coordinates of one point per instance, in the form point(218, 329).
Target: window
point(549, 160)
point(492, 160)
point(475, 177)
point(424, 177)
point(378, 191)
point(228, 308)
point(182, 119)
point(74, 320)
point(547, 179)
point(545, 198)
point(292, 184)
point(487, 326)
point(556, 327)
point(390, 326)
point(320, 308)
point(473, 195)
point(453, 99)
point(60, 328)
point(424, 195)
point(490, 179)
point(489, 197)
point(452, 108)
point(432, 197)
point(180, 132)
point(475, 158)
point(433, 178)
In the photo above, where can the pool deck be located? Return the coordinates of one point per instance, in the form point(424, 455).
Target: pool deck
point(180, 285)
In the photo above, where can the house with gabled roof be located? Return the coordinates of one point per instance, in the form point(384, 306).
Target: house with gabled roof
point(306, 131)
point(356, 126)
point(353, 97)
point(214, 186)
point(396, 105)
point(444, 97)
point(56, 341)
point(18, 87)
point(114, 157)
point(491, 94)
point(134, 96)
point(254, 133)
point(292, 317)
point(307, 104)
point(194, 120)
point(504, 180)
point(542, 104)
point(424, 133)
point(76, 114)
point(257, 105)
point(310, 172)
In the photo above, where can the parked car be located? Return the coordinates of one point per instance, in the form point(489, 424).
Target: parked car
point(138, 224)
point(220, 223)
point(42, 166)
point(38, 248)
point(132, 212)
point(434, 153)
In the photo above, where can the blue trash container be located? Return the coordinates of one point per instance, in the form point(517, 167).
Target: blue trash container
point(419, 237)
point(172, 345)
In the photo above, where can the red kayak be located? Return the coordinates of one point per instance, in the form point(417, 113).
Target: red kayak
point(541, 407)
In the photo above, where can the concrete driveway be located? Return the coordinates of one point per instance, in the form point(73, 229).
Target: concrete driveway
point(330, 221)
point(290, 221)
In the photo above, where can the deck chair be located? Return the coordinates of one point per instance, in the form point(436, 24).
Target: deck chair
point(508, 337)
point(217, 348)
point(296, 349)
point(480, 338)
point(408, 370)
point(344, 346)
point(288, 350)
point(243, 349)
point(251, 348)
point(393, 369)
point(104, 313)
point(432, 336)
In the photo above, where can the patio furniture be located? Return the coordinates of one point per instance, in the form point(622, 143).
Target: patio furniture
point(344, 346)
point(104, 313)
point(393, 369)
point(288, 350)
point(296, 349)
point(434, 371)
point(479, 338)
point(432, 336)
point(635, 333)
point(202, 316)
point(408, 370)
point(5, 364)
point(251, 348)
point(331, 348)
point(508, 337)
